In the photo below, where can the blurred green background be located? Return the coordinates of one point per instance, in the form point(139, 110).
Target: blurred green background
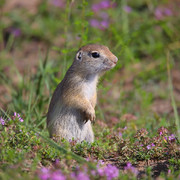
point(39, 39)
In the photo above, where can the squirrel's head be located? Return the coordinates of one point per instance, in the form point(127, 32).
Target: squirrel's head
point(94, 58)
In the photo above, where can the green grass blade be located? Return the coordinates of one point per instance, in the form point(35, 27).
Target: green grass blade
point(177, 121)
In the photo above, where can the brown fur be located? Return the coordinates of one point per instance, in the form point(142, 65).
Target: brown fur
point(72, 106)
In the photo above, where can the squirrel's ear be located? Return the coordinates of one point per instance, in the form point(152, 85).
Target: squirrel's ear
point(79, 56)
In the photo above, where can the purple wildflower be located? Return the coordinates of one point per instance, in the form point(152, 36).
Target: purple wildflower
point(73, 175)
point(95, 23)
point(127, 9)
point(100, 171)
point(125, 128)
point(167, 12)
point(130, 168)
point(105, 4)
point(120, 134)
point(57, 175)
point(87, 159)
point(2, 121)
point(104, 24)
point(18, 116)
point(45, 174)
point(171, 137)
point(21, 120)
point(103, 18)
point(15, 32)
point(82, 176)
point(148, 147)
point(56, 162)
point(58, 3)
point(111, 171)
point(158, 13)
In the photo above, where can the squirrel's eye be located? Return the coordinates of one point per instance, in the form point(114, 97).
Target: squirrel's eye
point(95, 54)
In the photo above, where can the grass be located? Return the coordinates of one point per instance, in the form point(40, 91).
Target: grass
point(137, 125)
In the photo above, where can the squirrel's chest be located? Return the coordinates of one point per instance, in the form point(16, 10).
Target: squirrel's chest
point(89, 88)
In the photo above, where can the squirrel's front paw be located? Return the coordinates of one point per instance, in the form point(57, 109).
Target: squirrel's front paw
point(90, 115)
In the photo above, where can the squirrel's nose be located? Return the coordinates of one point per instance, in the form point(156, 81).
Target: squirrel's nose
point(115, 60)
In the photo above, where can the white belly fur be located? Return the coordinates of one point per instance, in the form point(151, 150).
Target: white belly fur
point(89, 87)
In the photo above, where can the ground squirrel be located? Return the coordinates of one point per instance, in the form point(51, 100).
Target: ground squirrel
point(71, 110)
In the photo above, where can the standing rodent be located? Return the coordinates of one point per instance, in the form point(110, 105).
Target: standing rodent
point(71, 110)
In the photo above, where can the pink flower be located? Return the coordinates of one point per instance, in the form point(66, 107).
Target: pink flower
point(58, 3)
point(2, 121)
point(130, 168)
point(167, 12)
point(56, 162)
point(171, 137)
point(127, 9)
point(80, 176)
point(120, 134)
point(104, 24)
point(125, 128)
point(18, 116)
point(158, 13)
point(15, 32)
point(105, 4)
point(94, 23)
point(169, 171)
point(161, 13)
point(57, 175)
point(111, 172)
point(45, 174)
point(100, 171)
point(148, 147)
